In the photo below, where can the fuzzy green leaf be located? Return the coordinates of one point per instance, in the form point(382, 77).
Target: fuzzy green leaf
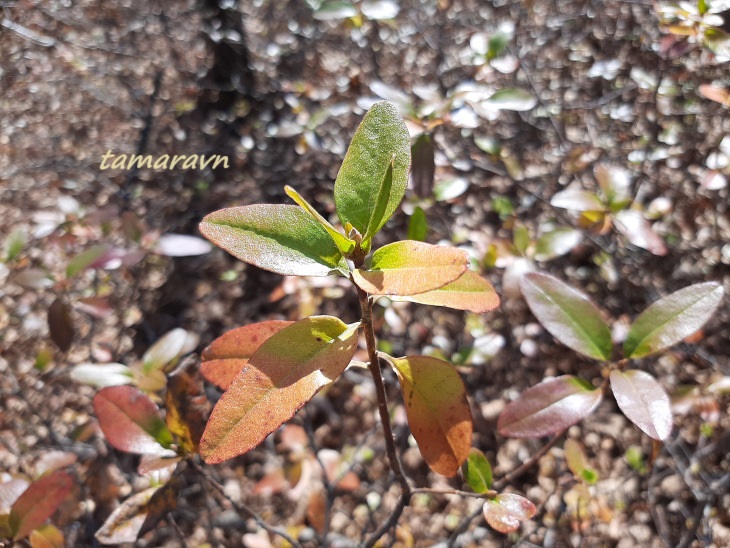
point(477, 471)
point(344, 244)
point(671, 319)
point(280, 238)
point(568, 315)
point(382, 138)
point(381, 203)
point(283, 374)
point(408, 268)
point(418, 226)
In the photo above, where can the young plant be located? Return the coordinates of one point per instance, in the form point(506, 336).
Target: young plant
point(556, 404)
point(269, 370)
point(612, 206)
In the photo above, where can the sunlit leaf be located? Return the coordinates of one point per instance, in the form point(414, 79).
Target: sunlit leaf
point(181, 245)
point(382, 135)
point(131, 421)
point(33, 278)
point(10, 491)
point(671, 319)
point(381, 203)
point(512, 99)
point(53, 460)
point(125, 522)
point(469, 292)
point(102, 374)
point(521, 239)
point(344, 244)
point(549, 407)
point(334, 11)
point(280, 238)
point(60, 324)
point(615, 183)
point(98, 307)
point(451, 188)
point(393, 95)
point(505, 512)
point(229, 353)
point(477, 471)
point(556, 243)
point(643, 400)
point(437, 410)
point(282, 375)
point(418, 226)
point(38, 503)
point(85, 259)
point(567, 314)
point(424, 165)
point(47, 536)
point(187, 410)
point(167, 349)
point(408, 268)
point(379, 9)
point(637, 230)
point(577, 200)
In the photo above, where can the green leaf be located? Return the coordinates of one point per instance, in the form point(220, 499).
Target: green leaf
point(549, 407)
point(671, 319)
point(477, 471)
point(577, 200)
point(702, 7)
point(344, 244)
point(38, 503)
point(512, 99)
point(280, 238)
point(284, 373)
point(568, 315)
point(167, 350)
point(505, 512)
point(521, 239)
point(229, 353)
point(131, 421)
point(497, 45)
point(381, 203)
point(382, 135)
point(576, 460)
point(13, 245)
point(84, 259)
point(469, 292)
point(418, 226)
point(437, 410)
point(644, 402)
point(408, 268)
point(556, 243)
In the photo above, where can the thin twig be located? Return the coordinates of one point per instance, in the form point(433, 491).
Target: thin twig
point(242, 508)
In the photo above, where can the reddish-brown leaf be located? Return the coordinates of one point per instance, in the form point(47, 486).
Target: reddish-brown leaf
point(505, 512)
point(131, 421)
point(282, 375)
point(548, 407)
point(229, 353)
point(437, 410)
point(39, 502)
point(187, 410)
point(60, 324)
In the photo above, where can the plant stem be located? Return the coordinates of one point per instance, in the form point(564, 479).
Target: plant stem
point(366, 308)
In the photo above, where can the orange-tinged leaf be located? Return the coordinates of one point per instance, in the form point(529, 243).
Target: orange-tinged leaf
point(229, 353)
point(47, 536)
point(505, 512)
point(282, 375)
point(717, 94)
point(469, 292)
point(437, 410)
point(187, 410)
point(39, 502)
point(410, 267)
point(131, 421)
